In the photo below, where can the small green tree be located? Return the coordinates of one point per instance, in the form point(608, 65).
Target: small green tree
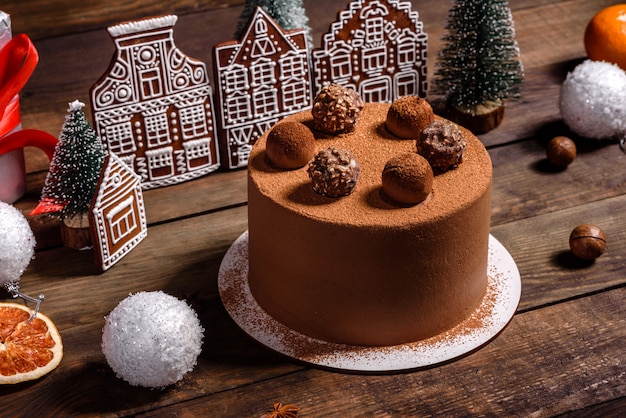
point(75, 166)
point(479, 61)
point(289, 14)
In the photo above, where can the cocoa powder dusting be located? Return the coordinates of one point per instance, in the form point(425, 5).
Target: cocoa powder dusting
point(365, 206)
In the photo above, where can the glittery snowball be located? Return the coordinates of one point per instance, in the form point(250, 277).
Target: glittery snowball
point(152, 339)
point(442, 144)
point(17, 244)
point(334, 172)
point(336, 109)
point(593, 100)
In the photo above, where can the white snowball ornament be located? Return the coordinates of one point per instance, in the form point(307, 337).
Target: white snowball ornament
point(17, 244)
point(152, 339)
point(593, 100)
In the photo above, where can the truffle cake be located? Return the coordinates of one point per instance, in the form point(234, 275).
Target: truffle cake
point(362, 269)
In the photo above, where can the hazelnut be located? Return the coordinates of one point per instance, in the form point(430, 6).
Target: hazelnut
point(561, 151)
point(334, 172)
point(290, 145)
point(587, 241)
point(408, 178)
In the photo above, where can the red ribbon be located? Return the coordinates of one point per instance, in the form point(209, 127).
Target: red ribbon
point(18, 59)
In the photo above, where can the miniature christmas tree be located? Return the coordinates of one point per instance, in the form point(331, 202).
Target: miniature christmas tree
point(479, 64)
point(74, 169)
point(289, 14)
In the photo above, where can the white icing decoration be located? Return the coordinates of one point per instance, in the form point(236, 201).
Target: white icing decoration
point(142, 25)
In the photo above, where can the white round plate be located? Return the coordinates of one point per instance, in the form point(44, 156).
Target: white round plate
point(494, 313)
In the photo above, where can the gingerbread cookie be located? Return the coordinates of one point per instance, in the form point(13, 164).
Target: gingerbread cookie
point(117, 215)
point(376, 47)
point(153, 107)
point(260, 78)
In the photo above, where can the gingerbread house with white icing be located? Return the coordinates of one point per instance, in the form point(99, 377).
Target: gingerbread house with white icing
point(153, 107)
point(376, 47)
point(260, 78)
point(117, 215)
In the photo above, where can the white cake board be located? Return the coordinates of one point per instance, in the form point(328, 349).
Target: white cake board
point(494, 313)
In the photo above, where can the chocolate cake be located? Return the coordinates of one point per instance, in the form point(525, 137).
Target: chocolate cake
point(362, 268)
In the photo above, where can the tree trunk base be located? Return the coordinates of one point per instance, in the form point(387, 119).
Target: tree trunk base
point(479, 120)
point(75, 232)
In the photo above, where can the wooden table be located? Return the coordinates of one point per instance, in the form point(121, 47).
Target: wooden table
point(562, 354)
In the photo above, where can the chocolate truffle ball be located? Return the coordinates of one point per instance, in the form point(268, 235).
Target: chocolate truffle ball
point(334, 172)
point(408, 116)
point(442, 144)
point(290, 145)
point(408, 178)
point(336, 109)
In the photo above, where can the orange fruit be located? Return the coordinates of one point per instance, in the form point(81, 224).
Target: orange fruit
point(605, 36)
point(28, 349)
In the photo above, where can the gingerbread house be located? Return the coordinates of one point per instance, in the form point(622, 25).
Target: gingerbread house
point(376, 47)
point(153, 108)
point(260, 78)
point(117, 216)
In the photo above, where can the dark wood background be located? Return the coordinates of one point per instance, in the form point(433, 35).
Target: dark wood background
point(562, 354)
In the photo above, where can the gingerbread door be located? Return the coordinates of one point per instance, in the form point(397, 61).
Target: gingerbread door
point(260, 78)
point(153, 107)
point(376, 47)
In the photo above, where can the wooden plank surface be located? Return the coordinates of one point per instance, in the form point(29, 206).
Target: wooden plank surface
point(494, 381)
point(561, 354)
point(45, 18)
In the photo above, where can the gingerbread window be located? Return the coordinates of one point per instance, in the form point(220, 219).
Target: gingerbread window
point(122, 220)
point(237, 107)
point(120, 138)
point(265, 101)
point(236, 78)
point(405, 84)
point(406, 52)
point(294, 93)
point(262, 73)
point(157, 130)
point(193, 121)
point(160, 163)
point(197, 153)
point(341, 64)
point(150, 83)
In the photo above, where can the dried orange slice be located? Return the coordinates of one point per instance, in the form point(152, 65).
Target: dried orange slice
point(28, 349)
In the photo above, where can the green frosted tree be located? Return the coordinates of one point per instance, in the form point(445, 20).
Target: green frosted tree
point(75, 167)
point(479, 62)
point(289, 14)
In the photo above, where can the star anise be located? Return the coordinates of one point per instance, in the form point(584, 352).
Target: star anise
point(282, 411)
